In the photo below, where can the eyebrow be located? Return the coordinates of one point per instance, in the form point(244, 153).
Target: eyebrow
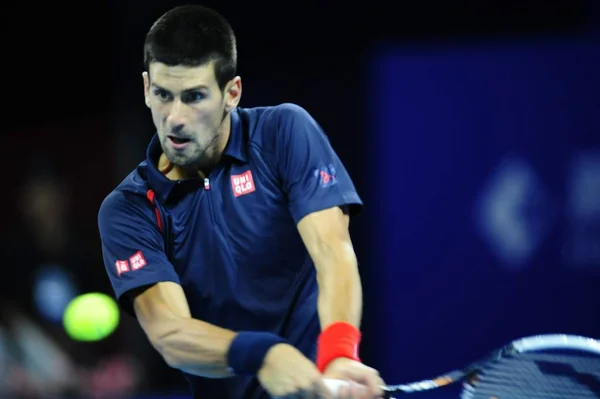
point(195, 88)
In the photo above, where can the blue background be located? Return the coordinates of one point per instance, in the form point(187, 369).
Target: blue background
point(448, 122)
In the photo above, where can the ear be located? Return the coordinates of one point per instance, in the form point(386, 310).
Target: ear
point(233, 93)
point(146, 88)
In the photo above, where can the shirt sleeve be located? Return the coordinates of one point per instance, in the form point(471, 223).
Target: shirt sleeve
point(132, 245)
point(312, 174)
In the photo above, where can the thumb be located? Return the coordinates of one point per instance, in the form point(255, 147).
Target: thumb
point(367, 377)
point(334, 385)
point(323, 390)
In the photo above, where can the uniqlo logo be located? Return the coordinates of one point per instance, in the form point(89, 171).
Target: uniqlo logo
point(122, 266)
point(137, 261)
point(242, 184)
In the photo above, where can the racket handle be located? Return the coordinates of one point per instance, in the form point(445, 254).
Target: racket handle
point(334, 385)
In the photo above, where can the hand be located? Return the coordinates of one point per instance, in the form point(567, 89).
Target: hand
point(365, 382)
point(286, 373)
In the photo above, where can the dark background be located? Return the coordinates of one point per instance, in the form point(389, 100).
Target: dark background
point(427, 103)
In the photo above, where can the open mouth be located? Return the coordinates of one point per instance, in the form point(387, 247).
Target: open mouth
point(178, 140)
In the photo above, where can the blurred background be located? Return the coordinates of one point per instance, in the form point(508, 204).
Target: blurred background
point(471, 129)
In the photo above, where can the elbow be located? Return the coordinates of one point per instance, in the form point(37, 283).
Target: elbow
point(172, 360)
point(163, 342)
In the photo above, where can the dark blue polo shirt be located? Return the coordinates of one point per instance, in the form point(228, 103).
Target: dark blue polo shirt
point(231, 240)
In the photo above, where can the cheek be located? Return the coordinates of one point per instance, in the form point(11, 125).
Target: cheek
point(157, 114)
point(209, 117)
point(217, 113)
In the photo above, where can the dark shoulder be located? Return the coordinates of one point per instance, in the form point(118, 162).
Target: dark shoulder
point(285, 116)
point(275, 116)
point(272, 125)
point(128, 197)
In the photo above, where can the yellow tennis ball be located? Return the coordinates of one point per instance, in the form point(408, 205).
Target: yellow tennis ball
point(91, 317)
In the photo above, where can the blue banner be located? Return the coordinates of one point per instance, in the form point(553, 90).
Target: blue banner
point(484, 198)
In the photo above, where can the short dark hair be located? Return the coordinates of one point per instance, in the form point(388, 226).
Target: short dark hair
point(191, 36)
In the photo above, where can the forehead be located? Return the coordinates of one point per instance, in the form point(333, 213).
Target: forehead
point(177, 78)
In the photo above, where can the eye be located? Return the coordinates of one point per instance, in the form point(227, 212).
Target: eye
point(162, 94)
point(192, 97)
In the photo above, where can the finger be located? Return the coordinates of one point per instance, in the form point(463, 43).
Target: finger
point(344, 392)
point(379, 385)
point(351, 391)
point(357, 391)
point(321, 390)
point(371, 380)
point(374, 384)
point(361, 391)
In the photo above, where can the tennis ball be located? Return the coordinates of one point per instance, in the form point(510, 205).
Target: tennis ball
point(91, 317)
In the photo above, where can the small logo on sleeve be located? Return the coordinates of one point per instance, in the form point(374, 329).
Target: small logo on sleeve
point(137, 261)
point(242, 184)
point(122, 266)
point(326, 175)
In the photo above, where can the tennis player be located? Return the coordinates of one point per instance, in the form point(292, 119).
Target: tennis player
point(230, 241)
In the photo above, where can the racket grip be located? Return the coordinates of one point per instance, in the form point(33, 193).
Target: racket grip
point(334, 385)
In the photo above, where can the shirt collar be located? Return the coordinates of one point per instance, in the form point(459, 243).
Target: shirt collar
point(159, 183)
point(236, 146)
point(162, 186)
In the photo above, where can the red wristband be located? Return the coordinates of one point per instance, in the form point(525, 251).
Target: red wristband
point(339, 339)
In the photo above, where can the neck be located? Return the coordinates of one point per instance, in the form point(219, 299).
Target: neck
point(225, 132)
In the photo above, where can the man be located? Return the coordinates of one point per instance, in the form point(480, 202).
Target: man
point(230, 242)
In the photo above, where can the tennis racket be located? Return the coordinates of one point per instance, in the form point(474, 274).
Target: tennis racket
point(551, 366)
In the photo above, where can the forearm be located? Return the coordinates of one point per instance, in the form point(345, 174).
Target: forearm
point(340, 290)
point(195, 347)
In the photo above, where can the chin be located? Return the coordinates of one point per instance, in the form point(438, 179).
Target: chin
point(183, 161)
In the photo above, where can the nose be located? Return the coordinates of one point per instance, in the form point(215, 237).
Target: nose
point(176, 118)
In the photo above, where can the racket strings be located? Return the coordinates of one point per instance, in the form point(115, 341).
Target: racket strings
point(538, 375)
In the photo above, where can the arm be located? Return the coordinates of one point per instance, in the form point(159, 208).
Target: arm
point(202, 349)
point(325, 234)
point(152, 291)
point(190, 345)
point(318, 187)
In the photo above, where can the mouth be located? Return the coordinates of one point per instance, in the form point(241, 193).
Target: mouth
point(178, 142)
